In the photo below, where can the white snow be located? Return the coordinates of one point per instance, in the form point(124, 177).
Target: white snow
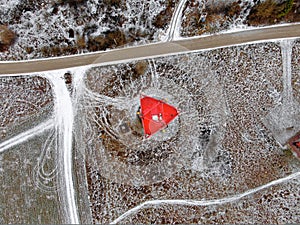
point(188, 202)
point(20, 138)
point(286, 49)
point(173, 32)
point(7, 5)
point(64, 127)
point(37, 29)
point(43, 28)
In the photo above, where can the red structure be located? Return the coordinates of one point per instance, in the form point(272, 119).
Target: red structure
point(155, 115)
point(294, 144)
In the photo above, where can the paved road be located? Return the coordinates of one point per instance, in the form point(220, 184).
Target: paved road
point(153, 50)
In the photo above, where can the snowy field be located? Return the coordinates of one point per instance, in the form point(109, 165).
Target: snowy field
point(65, 157)
point(50, 28)
point(219, 162)
point(220, 149)
point(75, 29)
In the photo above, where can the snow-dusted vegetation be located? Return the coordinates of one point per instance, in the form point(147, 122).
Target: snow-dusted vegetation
point(52, 28)
point(22, 99)
point(209, 16)
point(72, 146)
point(225, 151)
point(42, 29)
point(296, 71)
point(28, 151)
point(28, 183)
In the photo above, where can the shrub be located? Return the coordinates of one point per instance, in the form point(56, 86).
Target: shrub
point(110, 39)
point(140, 68)
point(287, 8)
point(165, 16)
point(69, 1)
point(269, 12)
point(7, 37)
point(80, 42)
point(233, 9)
point(73, 3)
point(115, 3)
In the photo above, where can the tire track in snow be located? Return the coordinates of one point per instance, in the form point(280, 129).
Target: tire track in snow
point(64, 126)
point(175, 24)
point(286, 52)
point(26, 135)
point(189, 202)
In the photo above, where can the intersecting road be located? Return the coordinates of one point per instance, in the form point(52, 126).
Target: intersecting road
point(152, 50)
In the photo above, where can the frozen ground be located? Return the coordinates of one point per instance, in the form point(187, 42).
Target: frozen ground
point(206, 17)
point(64, 157)
point(23, 100)
point(28, 182)
point(284, 119)
point(47, 29)
point(219, 162)
point(220, 159)
point(36, 150)
point(53, 28)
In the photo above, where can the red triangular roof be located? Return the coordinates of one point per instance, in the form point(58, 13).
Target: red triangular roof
point(155, 114)
point(294, 144)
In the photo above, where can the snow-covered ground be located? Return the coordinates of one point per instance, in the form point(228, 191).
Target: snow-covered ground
point(49, 167)
point(44, 24)
point(218, 158)
point(49, 29)
point(62, 150)
point(224, 96)
point(201, 203)
point(64, 131)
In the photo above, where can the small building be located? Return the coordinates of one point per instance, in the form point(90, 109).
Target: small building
point(155, 114)
point(294, 145)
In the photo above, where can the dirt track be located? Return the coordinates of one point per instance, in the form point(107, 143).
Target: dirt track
point(152, 50)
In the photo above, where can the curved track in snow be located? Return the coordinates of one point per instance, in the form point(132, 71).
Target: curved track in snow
point(64, 128)
point(24, 136)
point(175, 22)
point(64, 112)
point(189, 202)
